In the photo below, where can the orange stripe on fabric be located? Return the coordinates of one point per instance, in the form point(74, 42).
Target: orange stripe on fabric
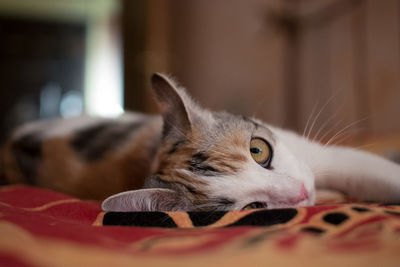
point(181, 219)
point(45, 206)
point(99, 219)
point(230, 218)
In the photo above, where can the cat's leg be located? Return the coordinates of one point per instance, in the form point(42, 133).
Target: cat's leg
point(358, 174)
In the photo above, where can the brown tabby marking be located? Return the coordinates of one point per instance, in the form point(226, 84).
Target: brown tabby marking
point(28, 152)
point(224, 157)
point(99, 162)
point(182, 153)
point(96, 141)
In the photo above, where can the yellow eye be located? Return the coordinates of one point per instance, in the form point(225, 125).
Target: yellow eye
point(261, 152)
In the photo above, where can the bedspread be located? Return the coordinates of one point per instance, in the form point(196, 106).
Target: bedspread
point(44, 228)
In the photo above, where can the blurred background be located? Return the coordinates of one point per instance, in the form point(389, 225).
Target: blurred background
point(320, 67)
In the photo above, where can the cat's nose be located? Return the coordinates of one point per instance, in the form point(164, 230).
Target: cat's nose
point(303, 195)
point(298, 194)
point(293, 194)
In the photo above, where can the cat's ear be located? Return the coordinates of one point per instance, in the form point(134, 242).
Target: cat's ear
point(173, 104)
point(152, 199)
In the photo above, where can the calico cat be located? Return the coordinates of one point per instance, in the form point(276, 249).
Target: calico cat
point(189, 159)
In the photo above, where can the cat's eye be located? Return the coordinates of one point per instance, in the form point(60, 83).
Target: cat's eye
point(261, 152)
point(255, 205)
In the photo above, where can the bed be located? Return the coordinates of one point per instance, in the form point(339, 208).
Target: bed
point(44, 228)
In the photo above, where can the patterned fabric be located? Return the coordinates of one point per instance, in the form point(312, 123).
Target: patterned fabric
point(44, 228)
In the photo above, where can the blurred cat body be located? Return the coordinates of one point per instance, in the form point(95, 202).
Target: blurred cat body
point(189, 159)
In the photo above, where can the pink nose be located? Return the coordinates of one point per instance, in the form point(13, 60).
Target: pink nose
point(303, 194)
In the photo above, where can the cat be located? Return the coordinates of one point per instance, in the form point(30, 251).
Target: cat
point(191, 159)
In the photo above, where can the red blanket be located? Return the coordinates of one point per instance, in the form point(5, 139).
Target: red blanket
point(44, 228)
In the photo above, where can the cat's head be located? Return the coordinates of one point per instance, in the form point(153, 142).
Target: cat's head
point(216, 161)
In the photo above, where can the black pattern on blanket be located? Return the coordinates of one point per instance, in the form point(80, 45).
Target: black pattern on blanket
point(318, 219)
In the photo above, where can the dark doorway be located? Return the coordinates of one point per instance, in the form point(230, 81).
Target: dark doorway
point(40, 62)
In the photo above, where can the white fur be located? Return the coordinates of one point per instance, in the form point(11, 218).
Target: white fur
point(297, 161)
point(298, 164)
point(278, 188)
point(359, 174)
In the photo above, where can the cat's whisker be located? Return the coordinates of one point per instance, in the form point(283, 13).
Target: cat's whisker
point(319, 113)
point(341, 138)
point(327, 122)
point(315, 138)
point(327, 133)
point(309, 117)
point(321, 149)
point(364, 146)
point(334, 137)
point(345, 136)
point(344, 129)
point(206, 162)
